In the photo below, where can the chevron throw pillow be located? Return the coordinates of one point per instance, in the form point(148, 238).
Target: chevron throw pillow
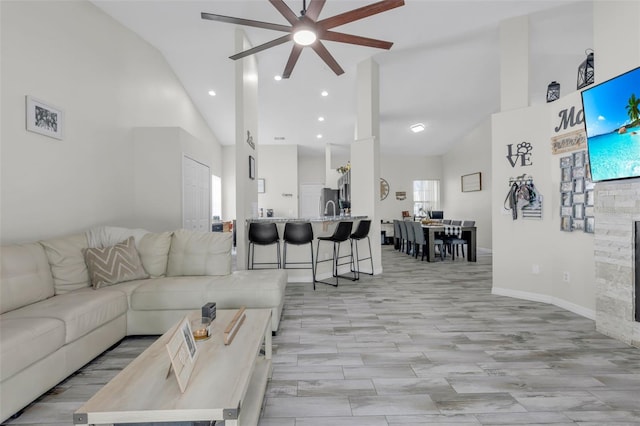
point(114, 264)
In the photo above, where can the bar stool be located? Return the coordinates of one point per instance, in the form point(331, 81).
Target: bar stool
point(362, 232)
point(298, 233)
point(262, 234)
point(340, 235)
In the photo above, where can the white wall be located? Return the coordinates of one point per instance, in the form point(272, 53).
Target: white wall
point(520, 244)
point(400, 172)
point(158, 176)
point(108, 81)
point(278, 166)
point(311, 170)
point(472, 155)
point(228, 182)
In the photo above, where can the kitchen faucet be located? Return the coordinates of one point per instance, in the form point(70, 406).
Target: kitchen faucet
point(326, 207)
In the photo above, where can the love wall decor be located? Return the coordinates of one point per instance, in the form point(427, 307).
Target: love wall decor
point(521, 156)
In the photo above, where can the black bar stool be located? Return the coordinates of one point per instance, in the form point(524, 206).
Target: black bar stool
point(362, 232)
point(263, 234)
point(298, 233)
point(340, 235)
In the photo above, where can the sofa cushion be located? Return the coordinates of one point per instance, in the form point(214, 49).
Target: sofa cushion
point(154, 252)
point(170, 293)
point(81, 311)
point(253, 289)
point(199, 253)
point(27, 340)
point(67, 262)
point(256, 288)
point(25, 276)
point(114, 264)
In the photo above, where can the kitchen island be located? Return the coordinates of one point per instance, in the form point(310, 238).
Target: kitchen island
point(322, 226)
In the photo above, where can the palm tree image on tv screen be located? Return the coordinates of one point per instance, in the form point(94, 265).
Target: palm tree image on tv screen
point(612, 121)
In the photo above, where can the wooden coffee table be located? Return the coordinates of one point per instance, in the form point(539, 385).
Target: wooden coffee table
point(227, 383)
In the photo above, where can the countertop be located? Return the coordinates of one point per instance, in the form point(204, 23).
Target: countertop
point(319, 219)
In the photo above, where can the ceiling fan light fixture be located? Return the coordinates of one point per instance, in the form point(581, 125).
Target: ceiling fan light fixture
point(304, 36)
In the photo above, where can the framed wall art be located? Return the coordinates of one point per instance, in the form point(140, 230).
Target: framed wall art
point(261, 188)
point(43, 118)
point(471, 182)
point(576, 193)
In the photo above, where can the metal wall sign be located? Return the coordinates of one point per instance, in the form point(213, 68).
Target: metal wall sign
point(521, 156)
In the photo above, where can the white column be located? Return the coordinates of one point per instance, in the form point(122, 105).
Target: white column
point(365, 155)
point(514, 63)
point(246, 96)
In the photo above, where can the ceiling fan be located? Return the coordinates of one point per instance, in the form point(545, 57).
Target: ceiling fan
point(307, 30)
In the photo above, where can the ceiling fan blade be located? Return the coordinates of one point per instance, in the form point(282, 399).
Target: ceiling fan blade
point(247, 22)
point(293, 58)
point(314, 9)
point(326, 57)
point(353, 39)
point(285, 11)
point(262, 47)
point(361, 12)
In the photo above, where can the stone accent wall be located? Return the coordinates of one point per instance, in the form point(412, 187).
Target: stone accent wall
point(617, 206)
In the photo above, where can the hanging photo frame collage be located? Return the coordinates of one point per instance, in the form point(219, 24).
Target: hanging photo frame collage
point(576, 194)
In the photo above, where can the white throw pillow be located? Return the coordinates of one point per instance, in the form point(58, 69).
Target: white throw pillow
point(199, 253)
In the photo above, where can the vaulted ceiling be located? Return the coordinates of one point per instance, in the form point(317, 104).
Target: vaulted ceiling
point(443, 69)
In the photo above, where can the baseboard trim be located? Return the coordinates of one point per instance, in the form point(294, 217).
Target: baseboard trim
point(536, 297)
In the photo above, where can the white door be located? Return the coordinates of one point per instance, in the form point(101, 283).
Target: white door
point(310, 200)
point(196, 195)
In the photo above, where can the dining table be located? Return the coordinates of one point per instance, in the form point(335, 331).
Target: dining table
point(468, 233)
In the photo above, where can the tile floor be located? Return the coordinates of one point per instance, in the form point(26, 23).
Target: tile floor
point(422, 344)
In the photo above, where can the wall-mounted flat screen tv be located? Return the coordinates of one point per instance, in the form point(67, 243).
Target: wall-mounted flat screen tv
point(612, 121)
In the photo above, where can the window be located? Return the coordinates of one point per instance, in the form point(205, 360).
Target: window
point(426, 196)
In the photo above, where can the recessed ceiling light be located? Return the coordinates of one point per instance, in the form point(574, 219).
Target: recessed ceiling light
point(319, 136)
point(324, 93)
point(320, 118)
point(277, 78)
point(417, 128)
point(212, 93)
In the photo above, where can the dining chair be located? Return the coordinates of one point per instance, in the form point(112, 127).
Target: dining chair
point(403, 235)
point(397, 237)
point(448, 235)
point(459, 242)
point(420, 240)
point(411, 237)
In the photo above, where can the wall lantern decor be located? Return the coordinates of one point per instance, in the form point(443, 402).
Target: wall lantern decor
point(586, 71)
point(553, 91)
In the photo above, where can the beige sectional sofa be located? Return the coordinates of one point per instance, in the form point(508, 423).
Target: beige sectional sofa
point(54, 318)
